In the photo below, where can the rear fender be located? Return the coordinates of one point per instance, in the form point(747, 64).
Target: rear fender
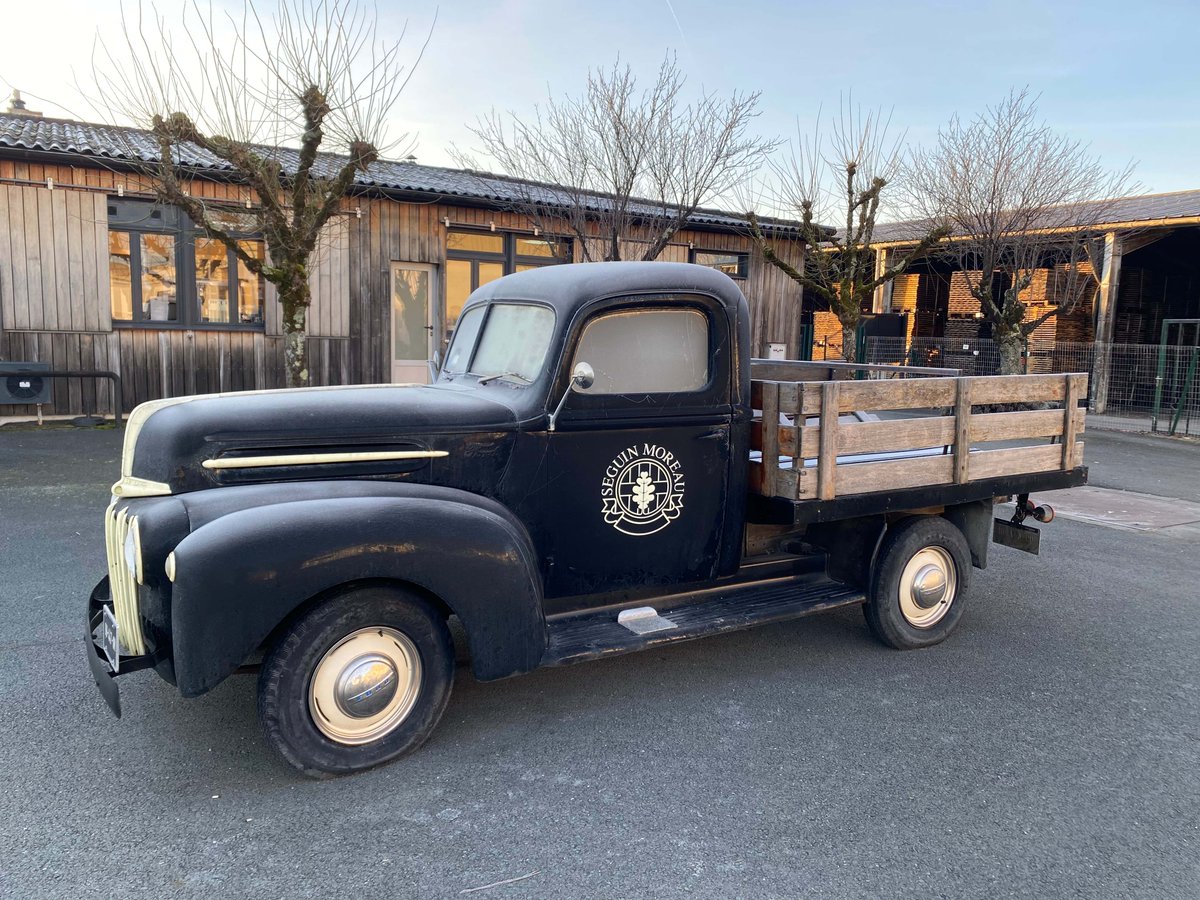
point(240, 575)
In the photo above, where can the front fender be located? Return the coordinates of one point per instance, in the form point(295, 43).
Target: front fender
point(238, 576)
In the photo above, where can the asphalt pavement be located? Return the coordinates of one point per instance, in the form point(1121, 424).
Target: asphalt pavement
point(1050, 748)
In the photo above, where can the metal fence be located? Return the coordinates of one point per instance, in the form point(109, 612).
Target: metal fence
point(1125, 379)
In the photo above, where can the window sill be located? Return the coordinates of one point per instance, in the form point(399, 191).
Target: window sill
point(177, 326)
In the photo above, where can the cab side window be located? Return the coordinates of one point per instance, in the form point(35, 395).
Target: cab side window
point(646, 351)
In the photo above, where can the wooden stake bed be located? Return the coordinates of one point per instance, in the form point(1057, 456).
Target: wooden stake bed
point(821, 456)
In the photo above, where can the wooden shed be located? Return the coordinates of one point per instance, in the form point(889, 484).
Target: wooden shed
point(95, 275)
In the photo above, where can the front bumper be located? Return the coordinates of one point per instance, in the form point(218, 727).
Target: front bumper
point(102, 672)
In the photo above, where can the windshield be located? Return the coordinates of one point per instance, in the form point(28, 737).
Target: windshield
point(458, 357)
point(512, 342)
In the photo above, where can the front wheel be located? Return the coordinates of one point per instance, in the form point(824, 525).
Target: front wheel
point(357, 681)
point(918, 583)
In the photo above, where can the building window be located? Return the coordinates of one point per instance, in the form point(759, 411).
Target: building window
point(732, 263)
point(473, 258)
point(163, 271)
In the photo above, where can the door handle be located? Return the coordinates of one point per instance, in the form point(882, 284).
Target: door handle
point(710, 436)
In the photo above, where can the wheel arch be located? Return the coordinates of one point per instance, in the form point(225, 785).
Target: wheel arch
point(242, 576)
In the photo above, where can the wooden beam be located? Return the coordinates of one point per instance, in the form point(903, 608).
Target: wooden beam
point(962, 431)
point(1076, 388)
point(827, 458)
point(1106, 317)
point(770, 437)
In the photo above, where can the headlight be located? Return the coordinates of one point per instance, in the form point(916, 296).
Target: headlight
point(133, 550)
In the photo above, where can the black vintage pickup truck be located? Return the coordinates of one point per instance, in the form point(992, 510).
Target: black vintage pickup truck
point(597, 467)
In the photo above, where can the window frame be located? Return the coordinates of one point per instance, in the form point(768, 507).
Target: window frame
point(648, 309)
point(175, 224)
point(743, 257)
point(611, 410)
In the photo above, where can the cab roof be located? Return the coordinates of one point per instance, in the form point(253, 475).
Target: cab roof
point(569, 286)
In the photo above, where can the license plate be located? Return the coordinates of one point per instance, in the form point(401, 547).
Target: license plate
point(107, 638)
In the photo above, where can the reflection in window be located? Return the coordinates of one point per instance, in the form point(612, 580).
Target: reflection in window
point(250, 287)
point(514, 340)
point(120, 277)
point(212, 280)
point(158, 278)
point(474, 258)
point(646, 351)
point(475, 241)
point(735, 265)
point(163, 270)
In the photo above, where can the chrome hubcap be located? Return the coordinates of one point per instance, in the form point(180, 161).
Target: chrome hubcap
point(927, 587)
point(365, 685)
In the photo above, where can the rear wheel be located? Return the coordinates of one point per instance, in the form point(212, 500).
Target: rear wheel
point(918, 583)
point(357, 681)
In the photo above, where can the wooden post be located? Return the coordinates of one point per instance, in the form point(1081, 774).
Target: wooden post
point(881, 302)
point(827, 457)
point(797, 413)
point(770, 437)
point(1106, 316)
point(1070, 404)
point(962, 431)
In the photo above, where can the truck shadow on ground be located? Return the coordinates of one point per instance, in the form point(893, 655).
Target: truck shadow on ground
point(631, 697)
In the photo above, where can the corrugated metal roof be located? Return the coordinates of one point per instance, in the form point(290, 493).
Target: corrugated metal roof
point(1140, 208)
point(131, 145)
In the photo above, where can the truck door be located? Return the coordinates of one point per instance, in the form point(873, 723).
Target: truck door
point(636, 476)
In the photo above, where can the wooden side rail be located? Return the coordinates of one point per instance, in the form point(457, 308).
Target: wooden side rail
point(941, 443)
point(825, 370)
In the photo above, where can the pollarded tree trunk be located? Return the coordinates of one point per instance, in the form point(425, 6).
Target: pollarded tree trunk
point(295, 300)
point(1009, 344)
point(849, 343)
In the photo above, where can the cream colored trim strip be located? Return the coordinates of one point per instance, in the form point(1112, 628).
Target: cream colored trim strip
point(132, 486)
point(316, 459)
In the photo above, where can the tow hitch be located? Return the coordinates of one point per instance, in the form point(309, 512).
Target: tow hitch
point(1014, 533)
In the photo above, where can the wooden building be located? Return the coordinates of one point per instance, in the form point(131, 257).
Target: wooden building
point(1148, 273)
point(94, 275)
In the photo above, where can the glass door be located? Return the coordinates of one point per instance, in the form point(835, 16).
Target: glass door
point(412, 321)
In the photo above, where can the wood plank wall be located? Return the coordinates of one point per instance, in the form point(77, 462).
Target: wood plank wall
point(55, 305)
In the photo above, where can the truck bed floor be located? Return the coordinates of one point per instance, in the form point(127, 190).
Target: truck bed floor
point(577, 637)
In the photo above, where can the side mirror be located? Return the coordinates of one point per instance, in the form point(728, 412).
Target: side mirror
point(583, 377)
point(435, 365)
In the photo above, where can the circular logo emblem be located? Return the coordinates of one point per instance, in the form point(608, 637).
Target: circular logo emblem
point(642, 490)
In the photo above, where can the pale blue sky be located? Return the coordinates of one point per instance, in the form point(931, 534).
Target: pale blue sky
point(1124, 76)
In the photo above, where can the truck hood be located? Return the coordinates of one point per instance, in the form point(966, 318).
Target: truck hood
point(394, 431)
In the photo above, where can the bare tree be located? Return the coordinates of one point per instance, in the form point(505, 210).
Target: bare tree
point(838, 175)
point(620, 167)
point(293, 103)
point(1017, 197)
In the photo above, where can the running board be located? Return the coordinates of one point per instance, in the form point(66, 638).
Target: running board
point(578, 637)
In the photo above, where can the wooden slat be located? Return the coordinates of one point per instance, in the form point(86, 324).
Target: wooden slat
point(7, 308)
point(1076, 389)
point(786, 438)
point(880, 437)
point(914, 393)
point(770, 437)
point(827, 458)
point(918, 393)
point(1009, 426)
point(962, 431)
point(1018, 388)
point(1017, 460)
point(864, 478)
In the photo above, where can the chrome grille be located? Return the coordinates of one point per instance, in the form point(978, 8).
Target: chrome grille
point(121, 582)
